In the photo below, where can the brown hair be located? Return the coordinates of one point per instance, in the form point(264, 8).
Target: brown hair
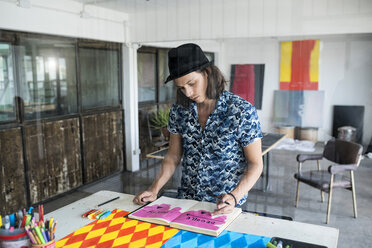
point(216, 85)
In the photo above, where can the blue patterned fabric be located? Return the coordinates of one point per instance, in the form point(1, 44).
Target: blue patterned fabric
point(227, 239)
point(213, 158)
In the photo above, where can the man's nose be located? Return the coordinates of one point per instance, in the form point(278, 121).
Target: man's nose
point(188, 92)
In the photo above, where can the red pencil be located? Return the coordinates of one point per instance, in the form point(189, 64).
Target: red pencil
point(41, 212)
point(24, 221)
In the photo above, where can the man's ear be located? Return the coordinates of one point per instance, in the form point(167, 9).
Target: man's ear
point(205, 72)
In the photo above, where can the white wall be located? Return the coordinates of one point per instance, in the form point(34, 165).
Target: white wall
point(172, 20)
point(64, 18)
point(345, 74)
point(346, 77)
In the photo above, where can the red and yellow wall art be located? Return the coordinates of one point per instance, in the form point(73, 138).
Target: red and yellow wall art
point(299, 65)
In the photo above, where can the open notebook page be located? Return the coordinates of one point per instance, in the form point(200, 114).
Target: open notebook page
point(163, 210)
point(199, 219)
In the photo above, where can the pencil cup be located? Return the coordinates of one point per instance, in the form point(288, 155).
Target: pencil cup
point(16, 238)
point(50, 244)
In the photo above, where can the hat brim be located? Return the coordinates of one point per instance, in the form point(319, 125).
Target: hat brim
point(199, 67)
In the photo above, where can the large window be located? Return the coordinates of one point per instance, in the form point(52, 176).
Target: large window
point(99, 77)
point(7, 88)
point(152, 65)
point(43, 76)
point(146, 63)
point(48, 77)
point(167, 92)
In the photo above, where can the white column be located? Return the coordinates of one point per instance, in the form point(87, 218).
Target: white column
point(130, 101)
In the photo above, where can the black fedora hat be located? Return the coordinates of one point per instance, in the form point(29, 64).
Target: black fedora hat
point(185, 59)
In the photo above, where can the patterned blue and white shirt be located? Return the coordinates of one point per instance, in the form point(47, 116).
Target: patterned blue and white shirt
point(213, 160)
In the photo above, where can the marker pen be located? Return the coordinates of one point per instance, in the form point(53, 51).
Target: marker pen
point(270, 245)
point(23, 223)
point(12, 219)
point(88, 213)
point(30, 210)
point(105, 215)
point(20, 218)
point(28, 219)
point(99, 215)
point(94, 216)
point(91, 216)
point(7, 222)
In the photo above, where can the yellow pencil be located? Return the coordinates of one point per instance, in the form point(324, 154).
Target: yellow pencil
point(31, 235)
point(36, 237)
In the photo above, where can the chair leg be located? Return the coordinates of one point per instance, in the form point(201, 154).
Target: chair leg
point(329, 199)
point(353, 192)
point(322, 195)
point(298, 192)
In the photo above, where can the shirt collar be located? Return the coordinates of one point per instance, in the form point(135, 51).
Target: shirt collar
point(221, 107)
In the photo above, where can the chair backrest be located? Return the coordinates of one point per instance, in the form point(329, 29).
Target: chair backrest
point(342, 152)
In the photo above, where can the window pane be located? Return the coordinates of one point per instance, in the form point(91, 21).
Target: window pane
point(99, 73)
point(167, 92)
point(7, 90)
point(146, 76)
point(48, 78)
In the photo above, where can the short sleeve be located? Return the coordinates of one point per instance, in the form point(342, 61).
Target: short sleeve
point(249, 126)
point(173, 125)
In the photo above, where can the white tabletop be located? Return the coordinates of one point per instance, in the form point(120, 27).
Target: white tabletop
point(69, 220)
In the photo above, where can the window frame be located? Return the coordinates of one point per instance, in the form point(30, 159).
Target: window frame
point(150, 50)
point(10, 39)
point(93, 44)
point(13, 38)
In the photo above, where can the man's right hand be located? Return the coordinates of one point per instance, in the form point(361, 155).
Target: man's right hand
point(145, 197)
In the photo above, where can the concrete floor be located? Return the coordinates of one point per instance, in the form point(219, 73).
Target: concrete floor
point(278, 200)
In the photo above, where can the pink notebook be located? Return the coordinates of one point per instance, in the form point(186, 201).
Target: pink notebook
point(184, 214)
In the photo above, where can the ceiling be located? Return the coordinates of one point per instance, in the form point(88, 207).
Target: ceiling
point(127, 6)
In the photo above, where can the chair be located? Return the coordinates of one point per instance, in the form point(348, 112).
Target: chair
point(344, 157)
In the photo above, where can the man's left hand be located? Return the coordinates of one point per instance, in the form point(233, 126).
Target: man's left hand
point(225, 204)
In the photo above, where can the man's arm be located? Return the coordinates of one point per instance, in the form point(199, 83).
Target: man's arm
point(253, 156)
point(169, 164)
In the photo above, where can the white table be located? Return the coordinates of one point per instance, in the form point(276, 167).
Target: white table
point(69, 220)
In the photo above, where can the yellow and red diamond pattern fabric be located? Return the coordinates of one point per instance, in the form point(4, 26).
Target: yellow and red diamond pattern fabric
point(117, 231)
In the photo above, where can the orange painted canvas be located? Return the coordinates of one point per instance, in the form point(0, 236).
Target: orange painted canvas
point(117, 231)
point(299, 65)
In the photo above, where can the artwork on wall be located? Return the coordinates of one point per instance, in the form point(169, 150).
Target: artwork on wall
point(298, 108)
point(299, 65)
point(247, 82)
